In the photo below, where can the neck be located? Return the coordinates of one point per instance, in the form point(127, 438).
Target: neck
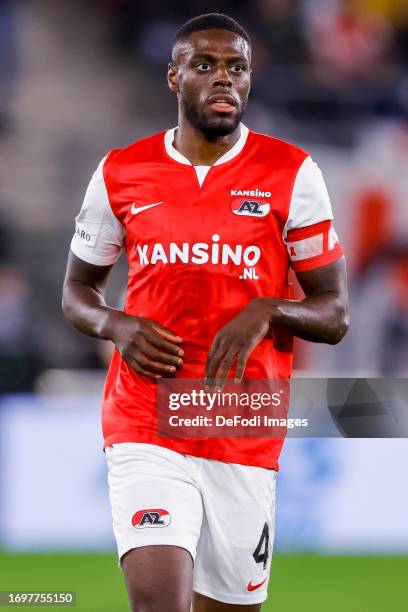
point(198, 149)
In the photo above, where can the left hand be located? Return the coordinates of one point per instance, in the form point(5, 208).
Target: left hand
point(236, 341)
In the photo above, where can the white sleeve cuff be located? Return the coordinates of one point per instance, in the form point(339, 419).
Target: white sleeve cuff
point(92, 258)
point(99, 235)
point(310, 201)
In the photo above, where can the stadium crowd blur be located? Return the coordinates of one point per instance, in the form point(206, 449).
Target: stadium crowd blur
point(77, 79)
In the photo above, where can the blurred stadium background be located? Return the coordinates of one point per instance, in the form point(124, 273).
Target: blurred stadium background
point(78, 78)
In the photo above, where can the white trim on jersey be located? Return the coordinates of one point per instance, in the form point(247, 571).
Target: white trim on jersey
point(233, 152)
point(310, 201)
point(99, 235)
point(201, 172)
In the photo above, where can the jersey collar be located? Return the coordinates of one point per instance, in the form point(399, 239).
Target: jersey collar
point(230, 154)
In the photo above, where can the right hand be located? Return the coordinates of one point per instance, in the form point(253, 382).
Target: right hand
point(145, 345)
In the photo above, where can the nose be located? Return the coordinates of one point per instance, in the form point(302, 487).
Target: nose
point(222, 77)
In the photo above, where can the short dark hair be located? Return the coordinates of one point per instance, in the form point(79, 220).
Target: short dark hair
point(210, 21)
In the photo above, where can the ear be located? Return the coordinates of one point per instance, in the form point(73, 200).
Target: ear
point(172, 78)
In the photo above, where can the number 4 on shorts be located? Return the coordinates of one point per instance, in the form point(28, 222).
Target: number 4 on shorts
point(261, 552)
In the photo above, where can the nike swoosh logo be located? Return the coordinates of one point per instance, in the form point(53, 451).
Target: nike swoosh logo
point(135, 210)
point(253, 587)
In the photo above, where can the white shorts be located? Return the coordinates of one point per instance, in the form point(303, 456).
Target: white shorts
point(222, 513)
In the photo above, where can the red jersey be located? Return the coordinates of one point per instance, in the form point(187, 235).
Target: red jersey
point(201, 243)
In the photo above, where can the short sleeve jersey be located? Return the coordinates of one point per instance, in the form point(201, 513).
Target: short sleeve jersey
point(202, 242)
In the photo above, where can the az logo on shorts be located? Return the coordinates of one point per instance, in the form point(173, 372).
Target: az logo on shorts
point(151, 518)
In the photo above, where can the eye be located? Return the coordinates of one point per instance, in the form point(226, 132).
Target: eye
point(238, 68)
point(203, 66)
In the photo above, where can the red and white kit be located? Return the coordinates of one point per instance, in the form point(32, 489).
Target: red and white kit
point(201, 243)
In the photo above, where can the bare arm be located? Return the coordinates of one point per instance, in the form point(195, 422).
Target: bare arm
point(322, 316)
point(148, 347)
point(83, 298)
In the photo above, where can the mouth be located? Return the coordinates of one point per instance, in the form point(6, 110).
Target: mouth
point(222, 103)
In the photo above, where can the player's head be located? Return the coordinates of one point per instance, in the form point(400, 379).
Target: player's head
point(211, 59)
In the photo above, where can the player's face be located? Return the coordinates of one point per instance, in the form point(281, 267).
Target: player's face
point(210, 73)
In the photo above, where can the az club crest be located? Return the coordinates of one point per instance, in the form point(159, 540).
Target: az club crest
point(250, 207)
point(155, 517)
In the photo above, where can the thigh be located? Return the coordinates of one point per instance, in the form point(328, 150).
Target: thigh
point(154, 498)
point(206, 604)
point(158, 578)
point(235, 547)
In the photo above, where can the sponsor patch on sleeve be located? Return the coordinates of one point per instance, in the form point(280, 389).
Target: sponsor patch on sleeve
point(84, 234)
